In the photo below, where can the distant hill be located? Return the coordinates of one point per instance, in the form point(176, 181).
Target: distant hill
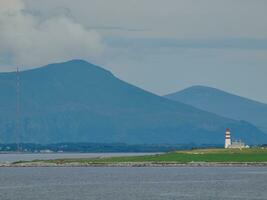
point(76, 101)
point(224, 104)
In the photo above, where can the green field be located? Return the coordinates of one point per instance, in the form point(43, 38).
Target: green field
point(199, 155)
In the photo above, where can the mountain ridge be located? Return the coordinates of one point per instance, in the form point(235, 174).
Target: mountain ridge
point(76, 101)
point(224, 104)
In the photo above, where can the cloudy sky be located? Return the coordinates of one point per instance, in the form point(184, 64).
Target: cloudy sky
point(161, 46)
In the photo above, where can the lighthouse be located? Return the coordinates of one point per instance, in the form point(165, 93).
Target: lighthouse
point(227, 138)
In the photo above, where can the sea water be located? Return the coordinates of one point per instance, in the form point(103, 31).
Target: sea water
point(13, 157)
point(159, 183)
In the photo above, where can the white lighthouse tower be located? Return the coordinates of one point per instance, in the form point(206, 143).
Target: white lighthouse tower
point(227, 138)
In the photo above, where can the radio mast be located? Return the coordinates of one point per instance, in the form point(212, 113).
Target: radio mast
point(18, 109)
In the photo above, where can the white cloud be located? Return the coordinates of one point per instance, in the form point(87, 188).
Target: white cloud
point(27, 40)
point(180, 19)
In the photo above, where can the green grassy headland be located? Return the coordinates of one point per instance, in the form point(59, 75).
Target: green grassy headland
point(198, 155)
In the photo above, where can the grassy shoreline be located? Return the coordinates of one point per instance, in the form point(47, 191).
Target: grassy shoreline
point(198, 157)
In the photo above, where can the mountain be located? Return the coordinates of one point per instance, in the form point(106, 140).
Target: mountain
point(224, 104)
point(76, 101)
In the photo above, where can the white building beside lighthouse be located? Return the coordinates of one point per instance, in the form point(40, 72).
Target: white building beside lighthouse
point(238, 144)
point(227, 138)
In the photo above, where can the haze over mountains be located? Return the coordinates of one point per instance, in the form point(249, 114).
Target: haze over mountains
point(224, 104)
point(76, 101)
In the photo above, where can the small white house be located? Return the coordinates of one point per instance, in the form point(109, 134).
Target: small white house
point(238, 144)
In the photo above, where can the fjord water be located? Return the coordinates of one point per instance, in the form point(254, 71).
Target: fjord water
point(200, 183)
point(9, 157)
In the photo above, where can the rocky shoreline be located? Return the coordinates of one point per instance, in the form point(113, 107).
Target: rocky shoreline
point(135, 164)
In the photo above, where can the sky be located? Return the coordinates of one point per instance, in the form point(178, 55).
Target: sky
point(160, 46)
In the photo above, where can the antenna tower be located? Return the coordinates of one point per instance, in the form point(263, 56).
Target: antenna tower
point(18, 109)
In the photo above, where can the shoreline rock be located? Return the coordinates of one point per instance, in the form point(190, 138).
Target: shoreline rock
point(135, 164)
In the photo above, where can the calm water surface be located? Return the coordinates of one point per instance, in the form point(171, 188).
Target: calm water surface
point(215, 183)
point(42, 156)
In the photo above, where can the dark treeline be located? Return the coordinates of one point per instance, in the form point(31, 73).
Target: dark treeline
point(97, 147)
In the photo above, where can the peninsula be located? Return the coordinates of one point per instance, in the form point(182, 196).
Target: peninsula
point(197, 157)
